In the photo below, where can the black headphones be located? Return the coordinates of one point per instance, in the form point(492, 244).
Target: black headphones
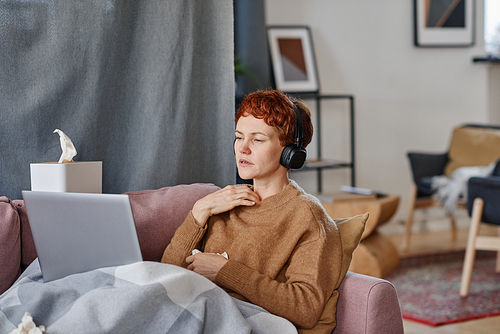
point(293, 155)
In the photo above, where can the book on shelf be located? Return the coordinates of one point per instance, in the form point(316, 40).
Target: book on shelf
point(362, 191)
point(349, 193)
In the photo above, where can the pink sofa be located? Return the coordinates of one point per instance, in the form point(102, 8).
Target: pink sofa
point(365, 305)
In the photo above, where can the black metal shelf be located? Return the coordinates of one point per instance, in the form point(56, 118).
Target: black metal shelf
point(320, 163)
point(487, 59)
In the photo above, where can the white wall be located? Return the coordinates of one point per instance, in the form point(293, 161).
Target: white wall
point(407, 97)
point(494, 93)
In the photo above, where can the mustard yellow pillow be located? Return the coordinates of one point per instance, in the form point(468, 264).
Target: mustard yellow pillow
point(350, 230)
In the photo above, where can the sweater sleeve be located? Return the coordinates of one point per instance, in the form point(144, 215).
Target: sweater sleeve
point(313, 270)
point(186, 238)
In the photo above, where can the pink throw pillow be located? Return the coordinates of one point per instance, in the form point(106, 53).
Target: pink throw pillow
point(28, 250)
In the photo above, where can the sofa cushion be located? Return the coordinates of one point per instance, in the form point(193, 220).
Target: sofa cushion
point(350, 229)
point(10, 244)
point(158, 213)
point(472, 146)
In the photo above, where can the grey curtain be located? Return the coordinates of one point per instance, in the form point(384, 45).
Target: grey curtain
point(147, 87)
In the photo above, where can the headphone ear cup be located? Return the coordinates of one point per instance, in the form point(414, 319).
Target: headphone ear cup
point(285, 155)
point(293, 156)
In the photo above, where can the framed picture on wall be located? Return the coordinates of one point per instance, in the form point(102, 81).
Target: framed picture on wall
point(444, 23)
point(292, 59)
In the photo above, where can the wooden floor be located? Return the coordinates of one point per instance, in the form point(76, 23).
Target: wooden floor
point(437, 241)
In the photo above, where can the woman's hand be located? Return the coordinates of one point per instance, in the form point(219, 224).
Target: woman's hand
point(223, 200)
point(206, 264)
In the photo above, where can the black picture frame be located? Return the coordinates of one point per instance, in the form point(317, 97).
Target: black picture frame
point(444, 23)
point(293, 60)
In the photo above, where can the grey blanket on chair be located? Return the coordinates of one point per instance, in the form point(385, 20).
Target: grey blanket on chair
point(450, 190)
point(144, 297)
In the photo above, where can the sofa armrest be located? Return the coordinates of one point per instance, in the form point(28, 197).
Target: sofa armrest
point(368, 305)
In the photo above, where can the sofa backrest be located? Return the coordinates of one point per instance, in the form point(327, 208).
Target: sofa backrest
point(157, 214)
point(473, 145)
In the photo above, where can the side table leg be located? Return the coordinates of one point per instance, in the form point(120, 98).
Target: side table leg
point(409, 220)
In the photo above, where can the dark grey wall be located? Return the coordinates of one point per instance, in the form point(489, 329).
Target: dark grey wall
point(250, 44)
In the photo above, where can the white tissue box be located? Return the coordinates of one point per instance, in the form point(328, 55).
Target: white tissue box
point(77, 177)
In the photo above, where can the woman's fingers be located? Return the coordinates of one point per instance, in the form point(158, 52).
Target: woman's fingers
point(241, 191)
point(223, 200)
point(206, 264)
point(233, 196)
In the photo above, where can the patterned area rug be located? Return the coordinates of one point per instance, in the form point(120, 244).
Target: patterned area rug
point(428, 288)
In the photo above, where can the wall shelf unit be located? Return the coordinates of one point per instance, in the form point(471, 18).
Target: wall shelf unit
point(320, 164)
point(487, 59)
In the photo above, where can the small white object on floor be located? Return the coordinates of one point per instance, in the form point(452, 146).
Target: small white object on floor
point(28, 326)
point(196, 251)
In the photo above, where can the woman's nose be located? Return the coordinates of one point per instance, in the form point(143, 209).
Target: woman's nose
point(244, 147)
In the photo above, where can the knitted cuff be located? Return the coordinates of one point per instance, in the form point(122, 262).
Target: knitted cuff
point(189, 234)
point(234, 276)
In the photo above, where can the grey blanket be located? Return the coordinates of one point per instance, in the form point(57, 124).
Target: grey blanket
point(144, 297)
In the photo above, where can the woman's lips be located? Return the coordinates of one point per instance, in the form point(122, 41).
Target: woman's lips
point(244, 162)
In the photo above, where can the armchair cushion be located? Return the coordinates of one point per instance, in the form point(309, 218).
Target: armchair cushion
point(487, 188)
point(496, 170)
point(424, 166)
point(473, 146)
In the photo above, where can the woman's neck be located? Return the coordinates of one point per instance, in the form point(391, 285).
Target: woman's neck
point(267, 188)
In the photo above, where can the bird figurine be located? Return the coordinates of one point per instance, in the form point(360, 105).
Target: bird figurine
point(68, 149)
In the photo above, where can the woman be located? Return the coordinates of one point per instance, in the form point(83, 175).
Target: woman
point(283, 250)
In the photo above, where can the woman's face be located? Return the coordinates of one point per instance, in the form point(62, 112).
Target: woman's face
point(258, 150)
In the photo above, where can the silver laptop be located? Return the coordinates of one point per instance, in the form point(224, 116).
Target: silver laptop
point(76, 232)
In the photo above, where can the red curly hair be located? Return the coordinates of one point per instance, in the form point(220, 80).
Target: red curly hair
point(276, 109)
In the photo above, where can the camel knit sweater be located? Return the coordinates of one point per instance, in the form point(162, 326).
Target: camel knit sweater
point(284, 253)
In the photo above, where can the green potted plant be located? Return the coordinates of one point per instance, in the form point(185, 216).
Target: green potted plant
point(240, 69)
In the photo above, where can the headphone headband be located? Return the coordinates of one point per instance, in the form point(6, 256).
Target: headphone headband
point(298, 136)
